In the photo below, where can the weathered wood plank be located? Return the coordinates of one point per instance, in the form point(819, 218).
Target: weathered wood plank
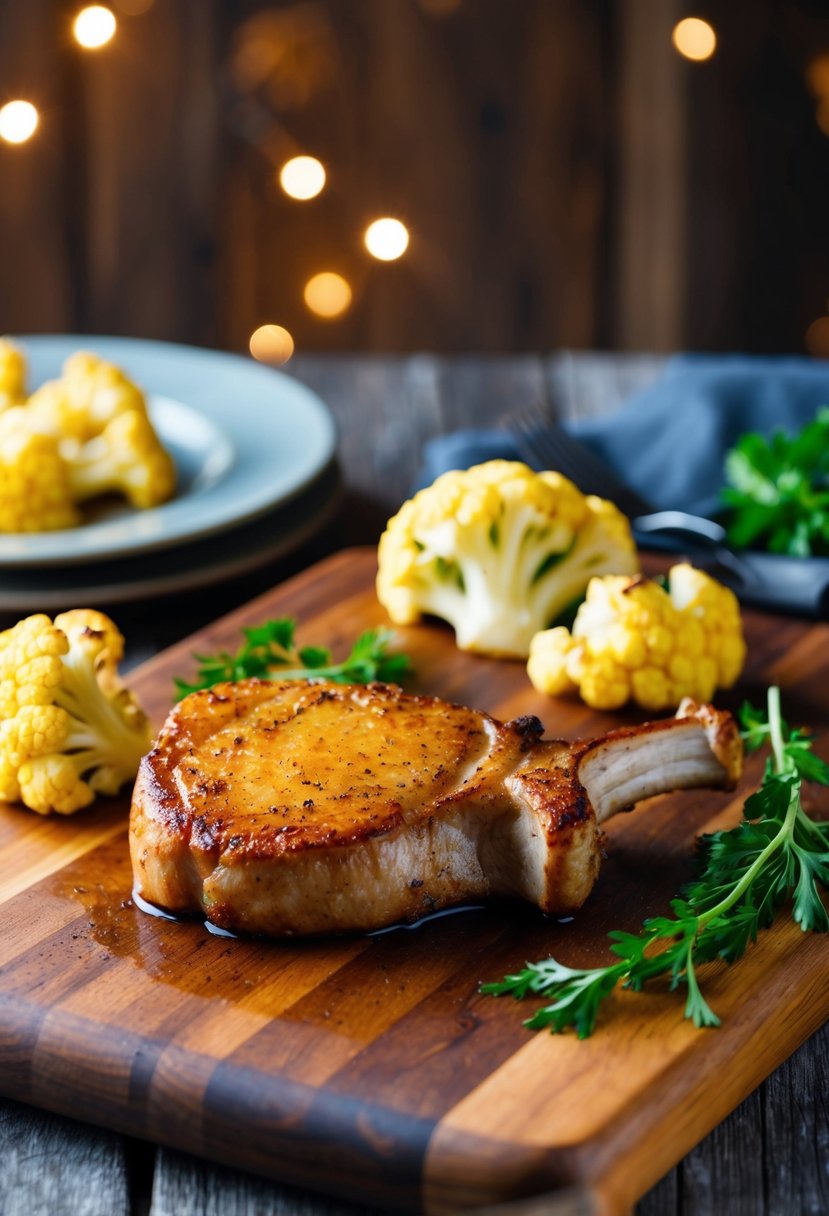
point(662, 1199)
point(594, 385)
point(649, 304)
point(151, 145)
point(719, 1174)
point(185, 1186)
point(795, 1123)
point(462, 124)
point(482, 392)
point(55, 1165)
point(380, 440)
point(405, 402)
point(35, 288)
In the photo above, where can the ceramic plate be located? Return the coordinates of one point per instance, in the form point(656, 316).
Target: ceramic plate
point(245, 439)
point(194, 564)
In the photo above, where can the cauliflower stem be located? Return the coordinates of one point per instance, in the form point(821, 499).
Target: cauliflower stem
point(101, 737)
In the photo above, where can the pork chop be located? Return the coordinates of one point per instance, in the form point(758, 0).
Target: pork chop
point(307, 808)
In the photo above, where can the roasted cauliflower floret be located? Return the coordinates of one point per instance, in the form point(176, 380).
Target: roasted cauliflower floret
point(634, 640)
point(127, 458)
point(86, 434)
point(500, 552)
point(89, 394)
point(35, 494)
point(69, 729)
point(12, 374)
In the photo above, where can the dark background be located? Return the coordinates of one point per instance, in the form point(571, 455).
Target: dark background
point(568, 179)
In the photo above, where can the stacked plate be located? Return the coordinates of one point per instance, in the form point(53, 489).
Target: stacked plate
point(254, 453)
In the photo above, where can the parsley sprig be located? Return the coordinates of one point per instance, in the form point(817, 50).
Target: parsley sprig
point(269, 651)
point(777, 853)
point(778, 496)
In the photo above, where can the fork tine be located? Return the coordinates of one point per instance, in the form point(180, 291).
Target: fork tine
point(546, 445)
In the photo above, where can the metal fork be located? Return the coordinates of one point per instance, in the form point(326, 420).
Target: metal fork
point(766, 579)
point(545, 444)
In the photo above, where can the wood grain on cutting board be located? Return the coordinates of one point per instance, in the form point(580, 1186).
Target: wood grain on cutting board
point(371, 1066)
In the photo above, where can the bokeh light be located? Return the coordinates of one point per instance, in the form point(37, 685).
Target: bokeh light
point(328, 294)
point(817, 338)
point(694, 38)
point(817, 75)
point(18, 121)
point(271, 344)
point(387, 239)
point(94, 26)
point(302, 177)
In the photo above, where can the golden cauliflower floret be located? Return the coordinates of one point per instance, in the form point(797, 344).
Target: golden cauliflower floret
point(633, 639)
point(126, 458)
point(69, 729)
point(35, 491)
point(12, 374)
point(89, 394)
point(550, 651)
point(30, 666)
point(83, 435)
point(498, 551)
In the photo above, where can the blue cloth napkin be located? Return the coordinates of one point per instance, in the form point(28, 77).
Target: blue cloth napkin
point(668, 441)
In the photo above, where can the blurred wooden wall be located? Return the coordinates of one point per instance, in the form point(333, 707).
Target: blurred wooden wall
point(109, 215)
point(484, 130)
point(567, 179)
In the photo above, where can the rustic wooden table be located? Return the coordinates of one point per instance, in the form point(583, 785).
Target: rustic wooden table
point(771, 1156)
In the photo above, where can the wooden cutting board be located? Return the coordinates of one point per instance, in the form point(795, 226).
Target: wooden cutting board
point(371, 1066)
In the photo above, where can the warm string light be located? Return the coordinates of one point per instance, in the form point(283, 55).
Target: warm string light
point(18, 121)
point(94, 27)
point(817, 78)
point(302, 177)
point(694, 39)
point(386, 239)
point(817, 338)
point(328, 294)
point(271, 344)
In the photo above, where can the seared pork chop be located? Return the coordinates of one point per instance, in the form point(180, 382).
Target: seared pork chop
point(304, 808)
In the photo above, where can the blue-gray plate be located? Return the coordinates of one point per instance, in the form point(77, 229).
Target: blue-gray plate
point(245, 440)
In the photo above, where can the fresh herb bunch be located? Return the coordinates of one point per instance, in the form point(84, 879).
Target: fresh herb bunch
point(745, 875)
point(269, 651)
point(778, 498)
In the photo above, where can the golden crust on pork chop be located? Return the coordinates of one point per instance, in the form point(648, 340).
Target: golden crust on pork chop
point(296, 808)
